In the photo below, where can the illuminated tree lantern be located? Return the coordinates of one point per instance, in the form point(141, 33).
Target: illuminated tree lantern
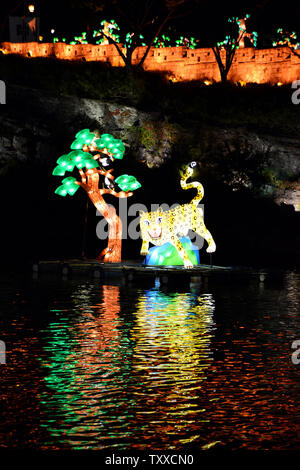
point(108, 27)
point(288, 39)
point(224, 51)
point(241, 22)
point(91, 168)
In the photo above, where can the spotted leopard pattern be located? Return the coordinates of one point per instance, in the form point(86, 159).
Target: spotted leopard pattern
point(159, 227)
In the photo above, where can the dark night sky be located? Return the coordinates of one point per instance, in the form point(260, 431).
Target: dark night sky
point(206, 22)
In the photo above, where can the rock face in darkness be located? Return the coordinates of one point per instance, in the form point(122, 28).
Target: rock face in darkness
point(33, 122)
point(34, 125)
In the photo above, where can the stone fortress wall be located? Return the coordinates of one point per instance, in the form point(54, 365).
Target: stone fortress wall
point(276, 66)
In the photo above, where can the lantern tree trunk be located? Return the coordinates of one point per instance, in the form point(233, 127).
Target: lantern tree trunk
point(90, 183)
point(112, 253)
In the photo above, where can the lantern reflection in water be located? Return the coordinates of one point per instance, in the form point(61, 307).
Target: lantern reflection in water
point(87, 370)
point(126, 377)
point(172, 337)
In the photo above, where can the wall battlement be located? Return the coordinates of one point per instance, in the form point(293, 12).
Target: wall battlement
point(277, 65)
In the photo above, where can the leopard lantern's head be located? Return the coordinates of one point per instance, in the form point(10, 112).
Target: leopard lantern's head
point(152, 227)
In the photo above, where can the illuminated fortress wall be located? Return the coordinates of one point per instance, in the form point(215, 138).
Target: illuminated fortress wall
point(249, 65)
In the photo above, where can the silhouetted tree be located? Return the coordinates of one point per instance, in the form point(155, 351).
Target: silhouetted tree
point(225, 50)
point(289, 40)
point(138, 23)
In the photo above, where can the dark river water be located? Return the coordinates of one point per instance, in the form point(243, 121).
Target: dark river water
point(93, 365)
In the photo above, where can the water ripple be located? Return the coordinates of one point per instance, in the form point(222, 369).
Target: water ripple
point(100, 366)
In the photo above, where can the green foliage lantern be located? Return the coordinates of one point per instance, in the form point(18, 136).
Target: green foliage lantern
point(128, 183)
point(77, 158)
point(112, 145)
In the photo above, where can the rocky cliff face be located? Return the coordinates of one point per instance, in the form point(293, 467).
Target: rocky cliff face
point(34, 125)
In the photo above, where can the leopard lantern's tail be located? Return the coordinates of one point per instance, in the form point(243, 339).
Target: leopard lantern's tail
point(195, 184)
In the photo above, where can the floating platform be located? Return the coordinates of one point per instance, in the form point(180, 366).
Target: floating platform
point(135, 271)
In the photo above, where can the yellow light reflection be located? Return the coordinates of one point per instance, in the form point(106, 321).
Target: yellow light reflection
point(172, 338)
